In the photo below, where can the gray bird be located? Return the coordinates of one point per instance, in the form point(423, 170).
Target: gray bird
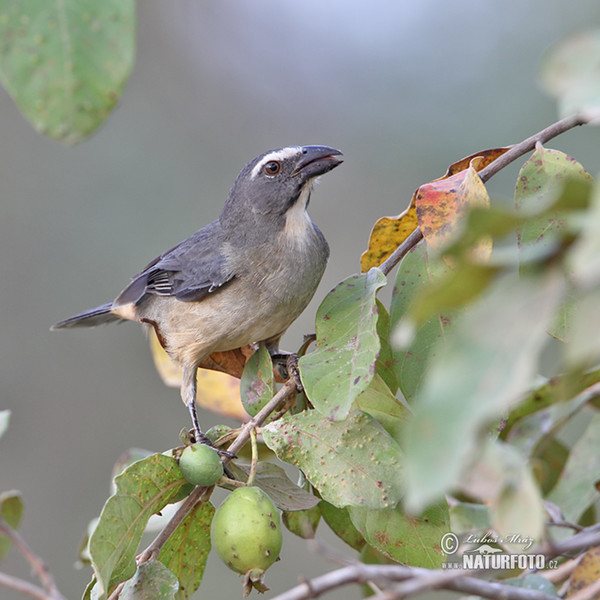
point(239, 280)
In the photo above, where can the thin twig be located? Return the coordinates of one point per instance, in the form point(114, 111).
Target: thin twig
point(527, 145)
point(401, 251)
point(37, 564)
point(416, 580)
point(24, 587)
point(485, 174)
point(200, 494)
point(254, 460)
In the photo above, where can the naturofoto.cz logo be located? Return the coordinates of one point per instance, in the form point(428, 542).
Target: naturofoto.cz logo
point(483, 553)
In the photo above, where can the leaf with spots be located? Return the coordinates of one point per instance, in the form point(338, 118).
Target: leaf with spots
point(186, 550)
point(413, 541)
point(152, 581)
point(257, 385)
point(143, 489)
point(65, 63)
point(539, 183)
point(586, 573)
point(441, 204)
point(348, 346)
point(353, 462)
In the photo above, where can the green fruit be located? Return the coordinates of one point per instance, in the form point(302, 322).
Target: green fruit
point(246, 531)
point(201, 465)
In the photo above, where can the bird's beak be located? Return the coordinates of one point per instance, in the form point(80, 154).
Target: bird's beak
point(316, 160)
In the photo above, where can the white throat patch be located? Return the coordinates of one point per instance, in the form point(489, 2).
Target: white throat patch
point(281, 154)
point(297, 220)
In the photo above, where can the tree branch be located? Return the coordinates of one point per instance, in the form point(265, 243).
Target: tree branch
point(527, 145)
point(416, 580)
point(24, 587)
point(485, 174)
point(401, 251)
point(201, 494)
point(37, 564)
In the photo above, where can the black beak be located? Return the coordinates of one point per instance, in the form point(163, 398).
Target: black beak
point(316, 160)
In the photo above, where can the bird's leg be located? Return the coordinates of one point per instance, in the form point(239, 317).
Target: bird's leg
point(188, 395)
point(286, 364)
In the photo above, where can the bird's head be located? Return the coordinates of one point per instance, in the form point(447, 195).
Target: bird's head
point(276, 181)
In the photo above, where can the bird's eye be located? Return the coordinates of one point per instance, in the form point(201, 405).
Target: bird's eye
point(272, 167)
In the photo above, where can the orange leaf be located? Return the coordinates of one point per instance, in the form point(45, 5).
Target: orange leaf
point(441, 203)
point(389, 232)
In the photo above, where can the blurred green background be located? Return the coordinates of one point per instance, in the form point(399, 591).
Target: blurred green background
point(402, 88)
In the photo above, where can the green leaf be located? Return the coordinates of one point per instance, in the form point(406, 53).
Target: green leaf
point(345, 357)
point(487, 363)
point(273, 480)
point(302, 523)
point(11, 511)
point(583, 259)
point(410, 540)
point(186, 551)
point(340, 523)
point(257, 385)
point(351, 462)
point(143, 489)
point(379, 402)
point(385, 365)
point(527, 433)
point(502, 479)
point(152, 581)
point(557, 389)
point(541, 181)
point(576, 488)
point(570, 73)
point(466, 517)
point(410, 362)
point(4, 421)
point(65, 63)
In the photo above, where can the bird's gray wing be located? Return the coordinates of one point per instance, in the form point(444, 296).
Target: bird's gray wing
point(189, 271)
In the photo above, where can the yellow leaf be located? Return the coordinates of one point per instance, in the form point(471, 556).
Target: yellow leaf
point(585, 573)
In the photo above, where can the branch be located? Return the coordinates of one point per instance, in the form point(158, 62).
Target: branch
point(485, 174)
point(401, 251)
point(527, 145)
point(37, 564)
point(24, 587)
point(416, 580)
point(201, 494)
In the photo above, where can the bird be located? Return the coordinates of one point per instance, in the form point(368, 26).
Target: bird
point(240, 280)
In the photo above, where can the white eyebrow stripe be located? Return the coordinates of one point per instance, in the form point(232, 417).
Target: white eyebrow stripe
point(281, 154)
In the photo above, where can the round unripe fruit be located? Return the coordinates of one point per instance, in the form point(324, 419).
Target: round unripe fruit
point(201, 465)
point(246, 531)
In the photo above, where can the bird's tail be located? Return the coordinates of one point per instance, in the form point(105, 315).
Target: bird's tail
point(89, 318)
